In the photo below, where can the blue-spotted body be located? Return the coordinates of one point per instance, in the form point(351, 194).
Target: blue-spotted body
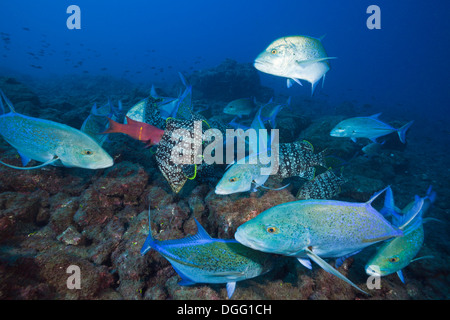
point(398, 253)
point(317, 229)
point(202, 259)
point(50, 142)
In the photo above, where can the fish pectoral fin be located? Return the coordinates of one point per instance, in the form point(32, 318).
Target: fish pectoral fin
point(310, 61)
point(420, 258)
point(31, 168)
point(275, 189)
point(324, 265)
point(227, 274)
point(25, 159)
point(231, 286)
point(400, 275)
point(305, 262)
point(378, 239)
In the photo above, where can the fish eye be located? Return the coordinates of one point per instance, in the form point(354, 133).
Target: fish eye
point(272, 229)
point(87, 152)
point(234, 179)
point(393, 259)
point(274, 51)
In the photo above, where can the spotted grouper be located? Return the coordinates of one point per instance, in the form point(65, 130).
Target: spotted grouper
point(317, 228)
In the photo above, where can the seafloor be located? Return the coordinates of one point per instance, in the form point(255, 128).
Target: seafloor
point(55, 217)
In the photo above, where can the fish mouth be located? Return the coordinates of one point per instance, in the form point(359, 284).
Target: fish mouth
point(259, 65)
point(221, 191)
point(102, 165)
point(252, 243)
point(374, 270)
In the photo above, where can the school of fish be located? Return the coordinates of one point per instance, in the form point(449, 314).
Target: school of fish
point(313, 228)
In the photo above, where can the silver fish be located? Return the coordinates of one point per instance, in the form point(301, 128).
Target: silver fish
point(50, 142)
point(368, 127)
point(295, 58)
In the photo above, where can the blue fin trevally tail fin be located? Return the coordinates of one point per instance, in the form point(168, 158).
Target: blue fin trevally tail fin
point(402, 131)
point(149, 242)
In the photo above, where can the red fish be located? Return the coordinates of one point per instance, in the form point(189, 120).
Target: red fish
point(141, 131)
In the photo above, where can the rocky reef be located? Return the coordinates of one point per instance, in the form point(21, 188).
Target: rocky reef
point(54, 217)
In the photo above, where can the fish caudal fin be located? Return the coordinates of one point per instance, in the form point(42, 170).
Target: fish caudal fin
point(114, 127)
point(402, 131)
point(149, 242)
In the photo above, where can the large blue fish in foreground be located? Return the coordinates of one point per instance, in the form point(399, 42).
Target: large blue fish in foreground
point(398, 253)
point(368, 127)
point(202, 259)
point(312, 229)
point(50, 142)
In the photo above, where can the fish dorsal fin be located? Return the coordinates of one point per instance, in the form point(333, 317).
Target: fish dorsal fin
point(8, 102)
point(153, 93)
point(413, 217)
point(369, 203)
point(94, 109)
point(132, 122)
point(322, 37)
point(376, 116)
point(201, 232)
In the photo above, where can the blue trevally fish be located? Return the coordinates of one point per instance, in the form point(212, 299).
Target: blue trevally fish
point(97, 120)
point(396, 254)
point(368, 127)
point(295, 159)
point(271, 109)
point(167, 107)
point(295, 58)
point(316, 229)
point(240, 107)
point(50, 142)
point(202, 259)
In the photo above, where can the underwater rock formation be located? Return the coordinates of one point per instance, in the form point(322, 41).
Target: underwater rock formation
point(228, 81)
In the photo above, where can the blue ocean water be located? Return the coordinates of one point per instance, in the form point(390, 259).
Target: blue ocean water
point(401, 70)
